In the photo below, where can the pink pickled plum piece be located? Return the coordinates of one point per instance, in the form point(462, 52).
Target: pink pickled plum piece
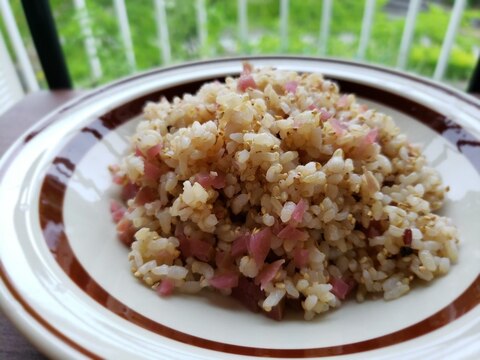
point(184, 245)
point(337, 126)
point(291, 86)
point(343, 101)
point(239, 245)
point(247, 68)
point(129, 191)
point(290, 232)
point(259, 245)
point(152, 171)
point(166, 287)
point(299, 211)
point(223, 260)
point(245, 82)
point(138, 152)
point(207, 180)
point(371, 137)
point(248, 293)
point(268, 273)
point(119, 180)
point(325, 115)
point(201, 249)
point(117, 210)
point(407, 237)
point(203, 179)
point(300, 258)
point(126, 231)
point(224, 281)
point(146, 195)
point(340, 288)
point(115, 205)
point(154, 150)
point(218, 182)
point(277, 227)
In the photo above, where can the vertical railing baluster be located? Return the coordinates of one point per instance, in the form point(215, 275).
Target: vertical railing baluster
point(162, 28)
point(10, 87)
point(284, 25)
point(242, 23)
point(47, 43)
point(202, 27)
point(474, 83)
point(449, 39)
point(366, 28)
point(124, 26)
point(18, 46)
point(408, 32)
point(325, 27)
point(89, 40)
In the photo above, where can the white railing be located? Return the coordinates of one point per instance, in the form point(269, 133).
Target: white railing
point(449, 39)
point(284, 24)
point(30, 82)
point(10, 87)
point(202, 27)
point(408, 30)
point(23, 60)
point(325, 27)
point(163, 37)
point(121, 12)
point(89, 40)
point(366, 28)
point(242, 23)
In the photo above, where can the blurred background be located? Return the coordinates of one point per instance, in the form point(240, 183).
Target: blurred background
point(104, 40)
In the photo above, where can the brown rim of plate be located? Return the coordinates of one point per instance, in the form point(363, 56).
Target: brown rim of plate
point(465, 143)
point(55, 184)
point(35, 315)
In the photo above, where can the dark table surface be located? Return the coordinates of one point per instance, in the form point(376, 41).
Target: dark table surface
point(13, 345)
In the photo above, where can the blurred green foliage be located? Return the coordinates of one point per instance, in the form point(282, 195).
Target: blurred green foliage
point(263, 34)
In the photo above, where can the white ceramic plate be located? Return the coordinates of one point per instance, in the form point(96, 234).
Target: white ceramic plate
point(65, 279)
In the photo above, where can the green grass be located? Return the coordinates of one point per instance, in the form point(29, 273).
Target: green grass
point(263, 37)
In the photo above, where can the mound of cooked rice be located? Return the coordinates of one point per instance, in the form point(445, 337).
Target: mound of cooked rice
point(277, 189)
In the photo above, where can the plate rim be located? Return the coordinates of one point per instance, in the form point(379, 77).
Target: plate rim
point(56, 114)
